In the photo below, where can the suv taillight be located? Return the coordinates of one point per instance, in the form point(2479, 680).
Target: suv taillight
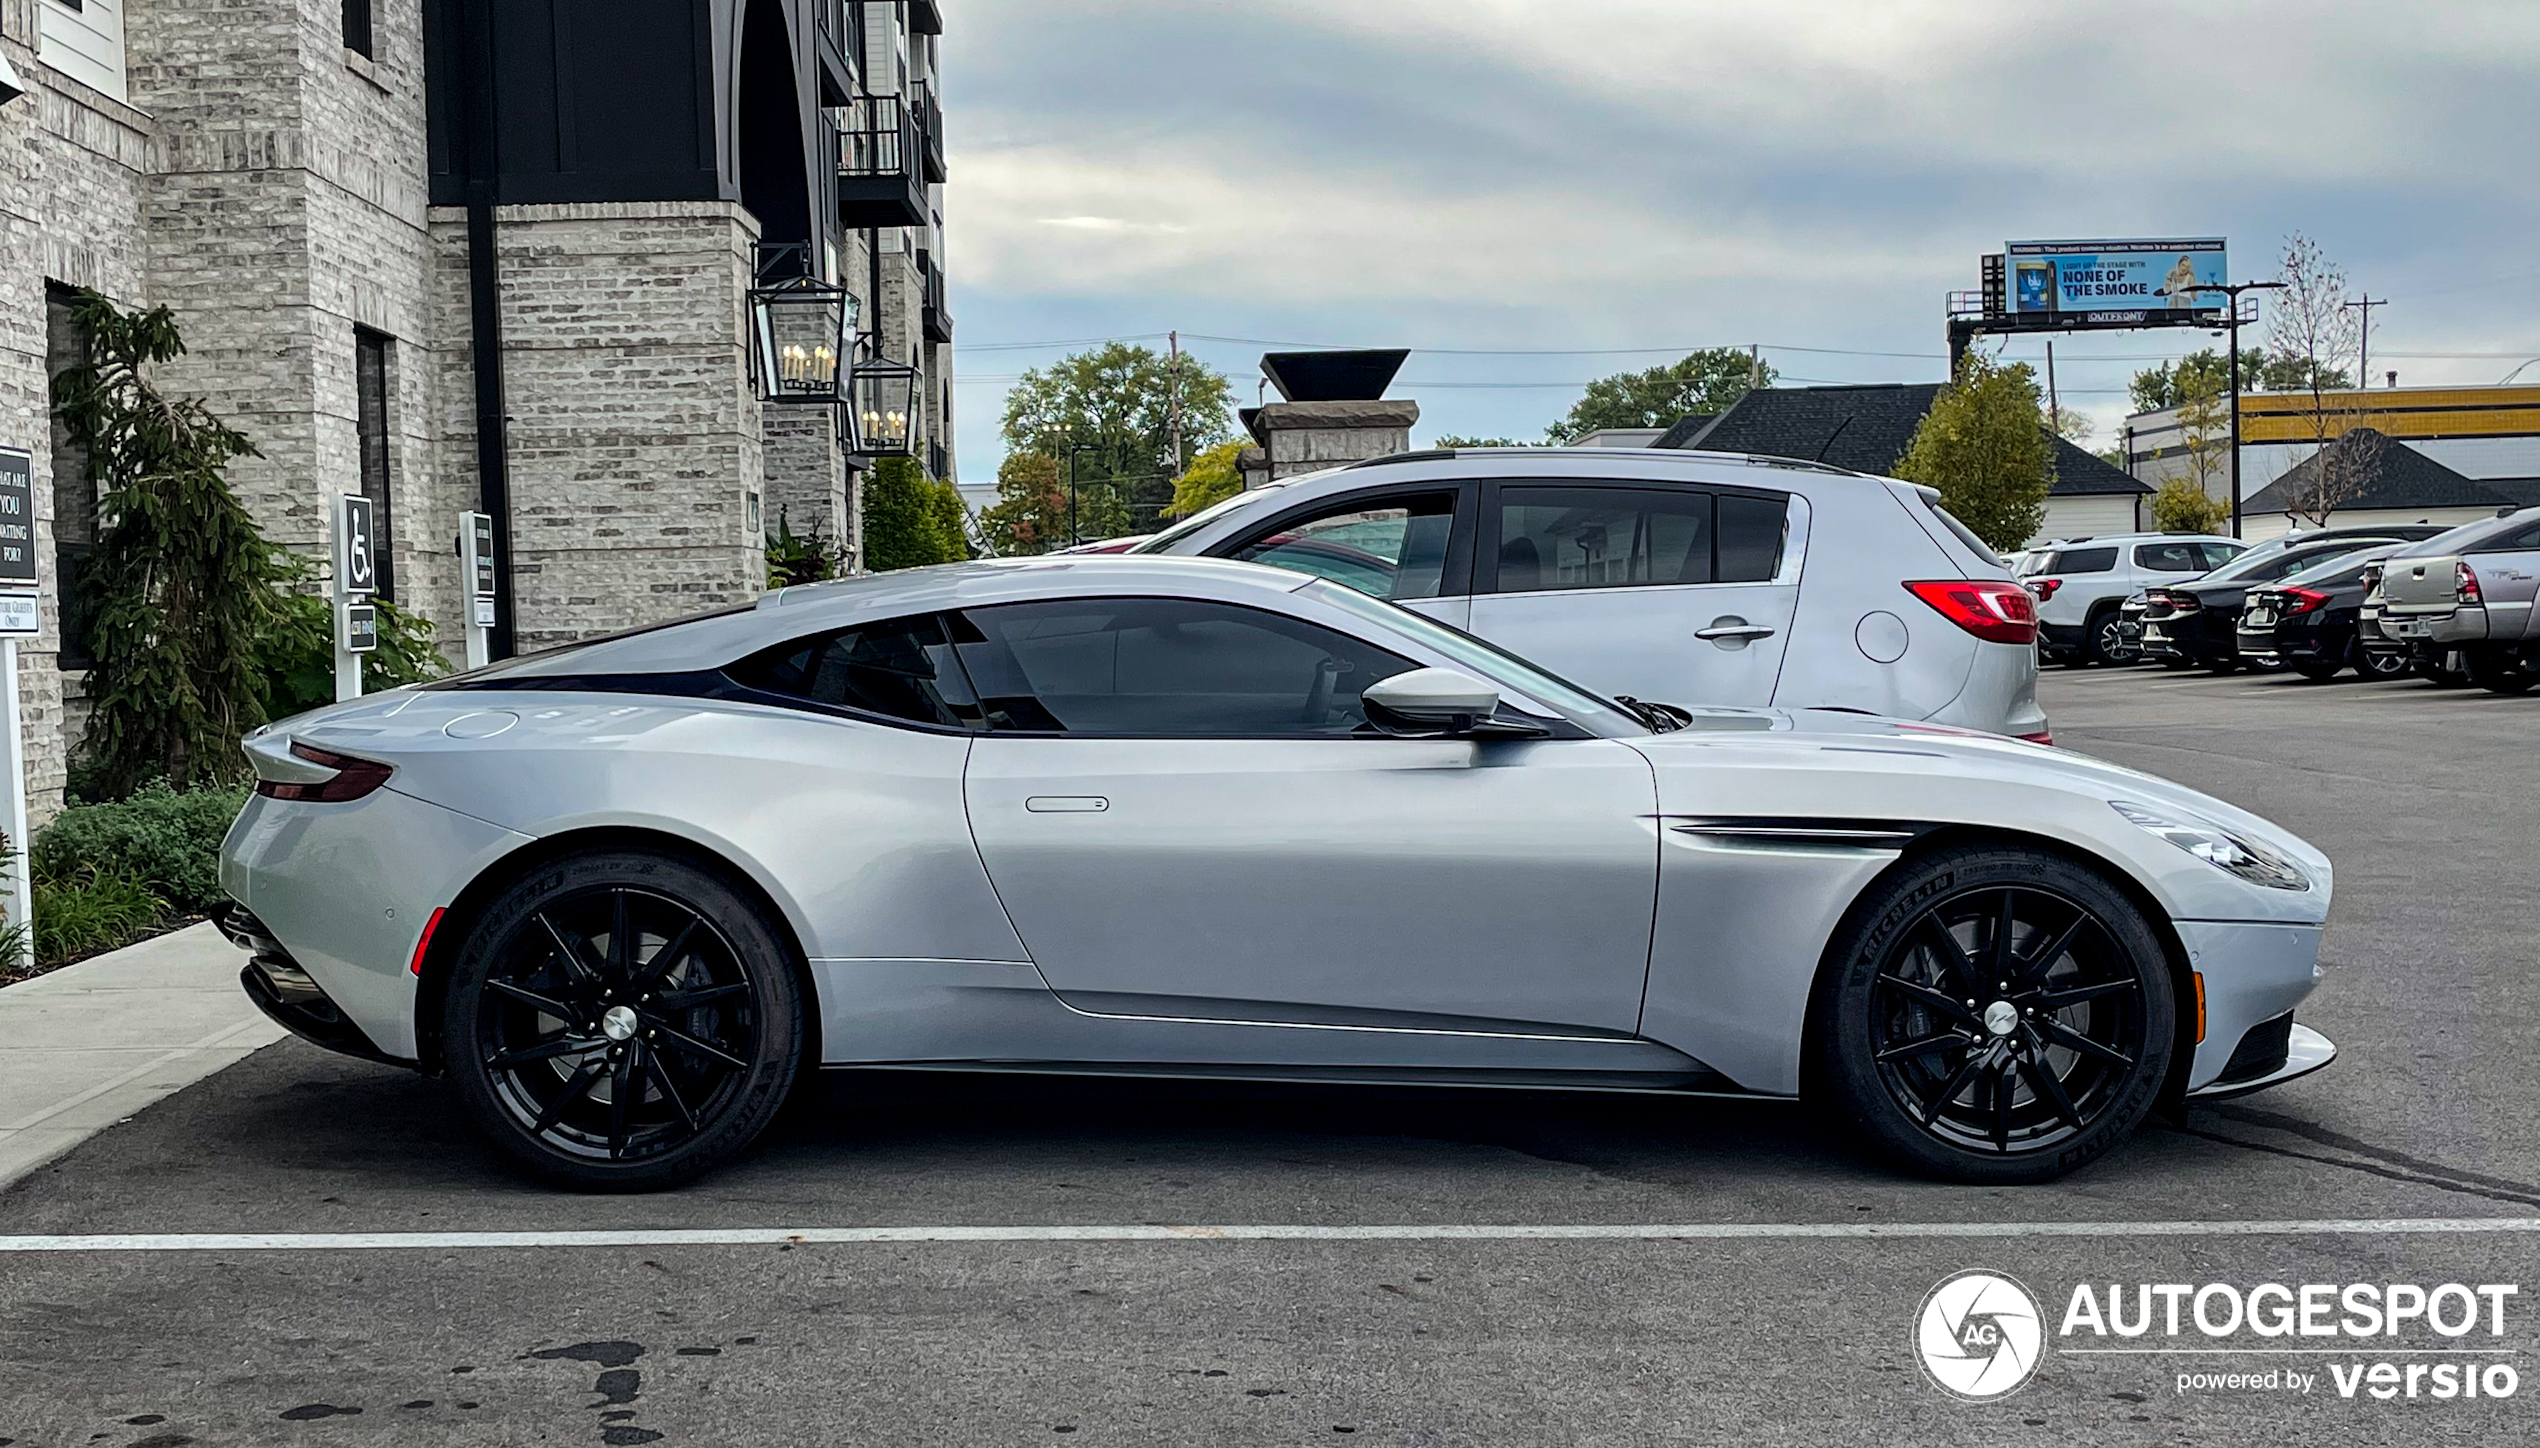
point(1997, 612)
point(2301, 600)
point(2464, 584)
point(2044, 588)
point(353, 777)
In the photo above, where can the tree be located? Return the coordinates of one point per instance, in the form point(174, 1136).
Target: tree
point(2204, 429)
point(2183, 507)
point(1984, 445)
point(2155, 388)
point(901, 526)
point(951, 515)
point(1452, 440)
point(1030, 513)
point(181, 586)
point(1211, 479)
point(1704, 381)
point(2309, 323)
point(1107, 415)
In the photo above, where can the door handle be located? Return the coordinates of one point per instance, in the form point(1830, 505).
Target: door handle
point(1731, 632)
point(1066, 804)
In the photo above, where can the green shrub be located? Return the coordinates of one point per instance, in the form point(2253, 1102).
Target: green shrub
point(165, 842)
point(91, 911)
point(294, 655)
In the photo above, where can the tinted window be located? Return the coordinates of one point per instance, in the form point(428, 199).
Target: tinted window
point(1602, 537)
point(2082, 560)
point(902, 669)
point(2519, 540)
point(2171, 557)
point(2218, 554)
point(2287, 564)
point(1750, 538)
point(1392, 549)
point(1171, 667)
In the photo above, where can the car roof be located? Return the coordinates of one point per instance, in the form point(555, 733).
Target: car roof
point(713, 639)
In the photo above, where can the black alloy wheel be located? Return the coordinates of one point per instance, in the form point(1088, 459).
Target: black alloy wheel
point(2002, 1015)
point(2382, 664)
point(623, 1021)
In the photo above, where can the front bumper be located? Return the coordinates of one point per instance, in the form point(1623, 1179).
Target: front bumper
point(2254, 975)
point(2305, 1051)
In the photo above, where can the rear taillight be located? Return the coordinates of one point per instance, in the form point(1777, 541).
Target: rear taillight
point(2044, 588)
point(1992, 610)
point(2040, 737)
point(2178, 602)
point(2464, 584)
point(353, 777)
point(2302, 600)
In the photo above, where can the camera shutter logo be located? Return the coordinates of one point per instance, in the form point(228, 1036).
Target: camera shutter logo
point(1979, 1336)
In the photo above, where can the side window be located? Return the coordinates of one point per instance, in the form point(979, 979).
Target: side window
point(1594, 537)
point(1395, 548)
point(1752, 533)
point(2084, 560)
point(2218, 554)
point(2170, 557)
point(2518, 541)
point(1168, 667)
point(902, 669)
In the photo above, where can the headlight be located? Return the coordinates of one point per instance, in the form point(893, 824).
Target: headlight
point(2218, 847)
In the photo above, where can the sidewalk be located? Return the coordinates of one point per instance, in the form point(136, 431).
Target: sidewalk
point(83, 1047)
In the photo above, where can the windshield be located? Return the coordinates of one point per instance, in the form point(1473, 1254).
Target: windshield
point(2265, 563)
point(1486, 658)
point(1164, 541)
point(2340, 568)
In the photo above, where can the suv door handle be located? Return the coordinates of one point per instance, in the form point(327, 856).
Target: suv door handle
point(1067, 804)
point(1730, 631)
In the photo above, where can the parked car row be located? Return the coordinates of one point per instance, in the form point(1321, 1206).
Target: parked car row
point(2386, 601)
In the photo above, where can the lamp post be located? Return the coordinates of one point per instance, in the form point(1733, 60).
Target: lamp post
point(2231, 311)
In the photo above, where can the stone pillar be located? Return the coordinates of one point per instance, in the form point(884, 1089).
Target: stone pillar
point(1305, 437)
point(806, 474)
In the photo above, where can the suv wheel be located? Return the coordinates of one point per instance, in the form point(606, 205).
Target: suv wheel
point(2104, 640)
point(2382, 664)
point(1994, 1015)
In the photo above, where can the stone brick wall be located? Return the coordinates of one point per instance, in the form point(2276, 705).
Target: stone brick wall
point(1305, 437)
point(635, 439)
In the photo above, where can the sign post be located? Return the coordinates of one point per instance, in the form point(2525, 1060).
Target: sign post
point(21, 616)
point(356, 578)
point(476, 581)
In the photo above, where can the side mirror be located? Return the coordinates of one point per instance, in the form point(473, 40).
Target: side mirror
point(1436, 702)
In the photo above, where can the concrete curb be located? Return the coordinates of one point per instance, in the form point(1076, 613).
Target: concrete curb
point(86, 1046)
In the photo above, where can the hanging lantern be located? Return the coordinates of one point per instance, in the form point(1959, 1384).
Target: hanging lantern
point(886, 409)
point(799, 327)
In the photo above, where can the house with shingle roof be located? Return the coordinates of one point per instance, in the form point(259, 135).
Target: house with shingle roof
point(2383, 480)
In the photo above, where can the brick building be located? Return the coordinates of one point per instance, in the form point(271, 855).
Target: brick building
point(341, 199)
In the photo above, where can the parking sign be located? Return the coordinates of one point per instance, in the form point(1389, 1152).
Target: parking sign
point(355, 567)
point(17, 519)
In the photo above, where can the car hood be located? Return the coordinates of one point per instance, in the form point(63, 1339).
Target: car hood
point(1818, 764)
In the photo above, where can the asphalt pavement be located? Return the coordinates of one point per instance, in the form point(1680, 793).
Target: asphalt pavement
point(1779, 1313)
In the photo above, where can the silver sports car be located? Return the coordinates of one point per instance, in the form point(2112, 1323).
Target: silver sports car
point(1196, 818)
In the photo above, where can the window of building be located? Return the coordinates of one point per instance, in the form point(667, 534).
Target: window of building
point(903, 669)
point(370, 389)
point(357, 29)
point(74, 486)
point(1393, 548)
point(1166, 668)
point(83, 39)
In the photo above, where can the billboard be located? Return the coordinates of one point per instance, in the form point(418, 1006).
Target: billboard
point(2147, 274)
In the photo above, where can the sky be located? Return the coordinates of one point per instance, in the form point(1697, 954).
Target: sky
point(1532, 194)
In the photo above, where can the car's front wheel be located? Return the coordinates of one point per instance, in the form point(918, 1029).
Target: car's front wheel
point(623, 1021)
point(1993, 1014)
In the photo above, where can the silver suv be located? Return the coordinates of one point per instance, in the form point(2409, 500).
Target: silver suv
point(2476, 600)
point(2082, 584)
point(1679, 577)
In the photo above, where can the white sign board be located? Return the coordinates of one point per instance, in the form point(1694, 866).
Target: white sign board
point(20, 617)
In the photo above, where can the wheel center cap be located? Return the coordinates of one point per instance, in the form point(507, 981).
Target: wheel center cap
point(618, 1022)
point(2001, 1017)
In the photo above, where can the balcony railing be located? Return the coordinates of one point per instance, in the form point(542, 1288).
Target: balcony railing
point(936, 318)
point(880, 181)
point(930, 129)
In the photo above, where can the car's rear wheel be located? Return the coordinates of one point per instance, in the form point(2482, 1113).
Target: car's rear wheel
point(1993, 1014)
point(2501, 670)
point(2106, 643)
point(623, 1021)
point(2382, 664)
point(2440, 669)
point(2319, 671)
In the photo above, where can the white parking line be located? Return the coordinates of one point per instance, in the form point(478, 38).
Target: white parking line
point(1149, 1232)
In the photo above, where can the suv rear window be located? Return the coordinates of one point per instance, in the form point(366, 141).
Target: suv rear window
point(2081, 560)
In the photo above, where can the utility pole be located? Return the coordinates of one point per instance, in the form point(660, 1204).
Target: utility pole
point(2054, 408)
point(1173, 395)
point(2231, 312)
point(2363, 337)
